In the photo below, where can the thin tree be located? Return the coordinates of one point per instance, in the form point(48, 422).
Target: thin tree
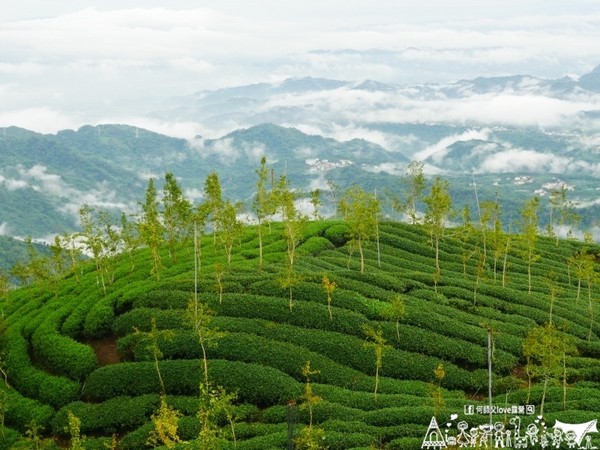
point(395, 311)
point(111, 244)
point(554, 199)
point(554, 290)
point(315, 201)
point(166, 418)
point(583, 262)
point(507, 242)
point(567, 215)
point(360, 210)
point(200, 217)
point(263, 205)
point(544, 349)
point(492, 216)
point(219, 273)
point(377, 219)
point(166, 426)
point(416, 183)
point(465, 234)
point(334, 190)
point(376, 342)
point(230, 227)
point(151, 229)
point(201, 316)
point(91, 234)
point(438, 207)
point(129, 239)
point(529, 235)
point(176, 215)
point(213, 201)
point(293, 220)
point(288, 279)
point(310, 437)
point(480, 272)
point(438, 394)
point(329, 286)
point(214, 402)
point(483, 218)
point(68, 241)
point(40, 266)
point(77, 441)
point(4, 284)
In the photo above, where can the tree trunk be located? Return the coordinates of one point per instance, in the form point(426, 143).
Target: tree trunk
point(544, 395)
point(362, 257)
point(591, 311)
point(260, 248)
point(564, 381)
point(378, 249)
point(376, 382)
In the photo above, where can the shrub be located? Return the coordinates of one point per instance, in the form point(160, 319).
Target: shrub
point(249, 430)
point(398, 416)
point(182, 377)
point(304, 314)
point(314, 245)
point(113, 415)
point(136, 439)
point(34, 383)
point(338, 234)
point(183, 344)
point(21, 411)
point(407, 443)
point(141, 319)
point(163, 299)
point(365, 400)
point(99, 320)
point(271, 441)
point(63, 355)
point(73, 324)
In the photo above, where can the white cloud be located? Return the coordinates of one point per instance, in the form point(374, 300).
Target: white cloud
point(52, 185)
point(586, 203)
point(194, 194)
point(441, 148)
point(337, 112)
point(389, 168)
point(13, 185)
point(42, 120)
point(47, 183)
point(4, 229)
point(320, 183)
point(21, 69)
point(227, 151)
point(522, 160)
point(222, 149)
point(114, 60)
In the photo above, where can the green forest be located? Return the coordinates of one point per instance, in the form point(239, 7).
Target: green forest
point(183, 326)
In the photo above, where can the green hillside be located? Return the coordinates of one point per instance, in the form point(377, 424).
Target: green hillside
point(14, 250)
point(45, 178)
point(68, 347)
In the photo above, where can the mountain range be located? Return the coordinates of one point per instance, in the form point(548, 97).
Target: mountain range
point(315, 131)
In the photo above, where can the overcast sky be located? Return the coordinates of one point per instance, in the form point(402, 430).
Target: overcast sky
point(64, 63)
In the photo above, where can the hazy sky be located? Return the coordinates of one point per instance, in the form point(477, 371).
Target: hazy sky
point(64, 63)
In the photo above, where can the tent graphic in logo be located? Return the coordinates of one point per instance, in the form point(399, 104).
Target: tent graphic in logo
point(434, 437)
point(580, 429)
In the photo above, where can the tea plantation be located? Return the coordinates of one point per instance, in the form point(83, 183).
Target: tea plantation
point(106, 359)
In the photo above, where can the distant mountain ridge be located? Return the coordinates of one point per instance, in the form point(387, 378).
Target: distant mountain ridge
point(246, 102)
point(314, 130)
point(109, 166)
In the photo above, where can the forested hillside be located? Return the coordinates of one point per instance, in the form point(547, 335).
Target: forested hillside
point(107, 167)
point(187, 326)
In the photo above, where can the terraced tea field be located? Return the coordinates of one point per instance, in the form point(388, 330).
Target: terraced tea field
point(69, 347)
